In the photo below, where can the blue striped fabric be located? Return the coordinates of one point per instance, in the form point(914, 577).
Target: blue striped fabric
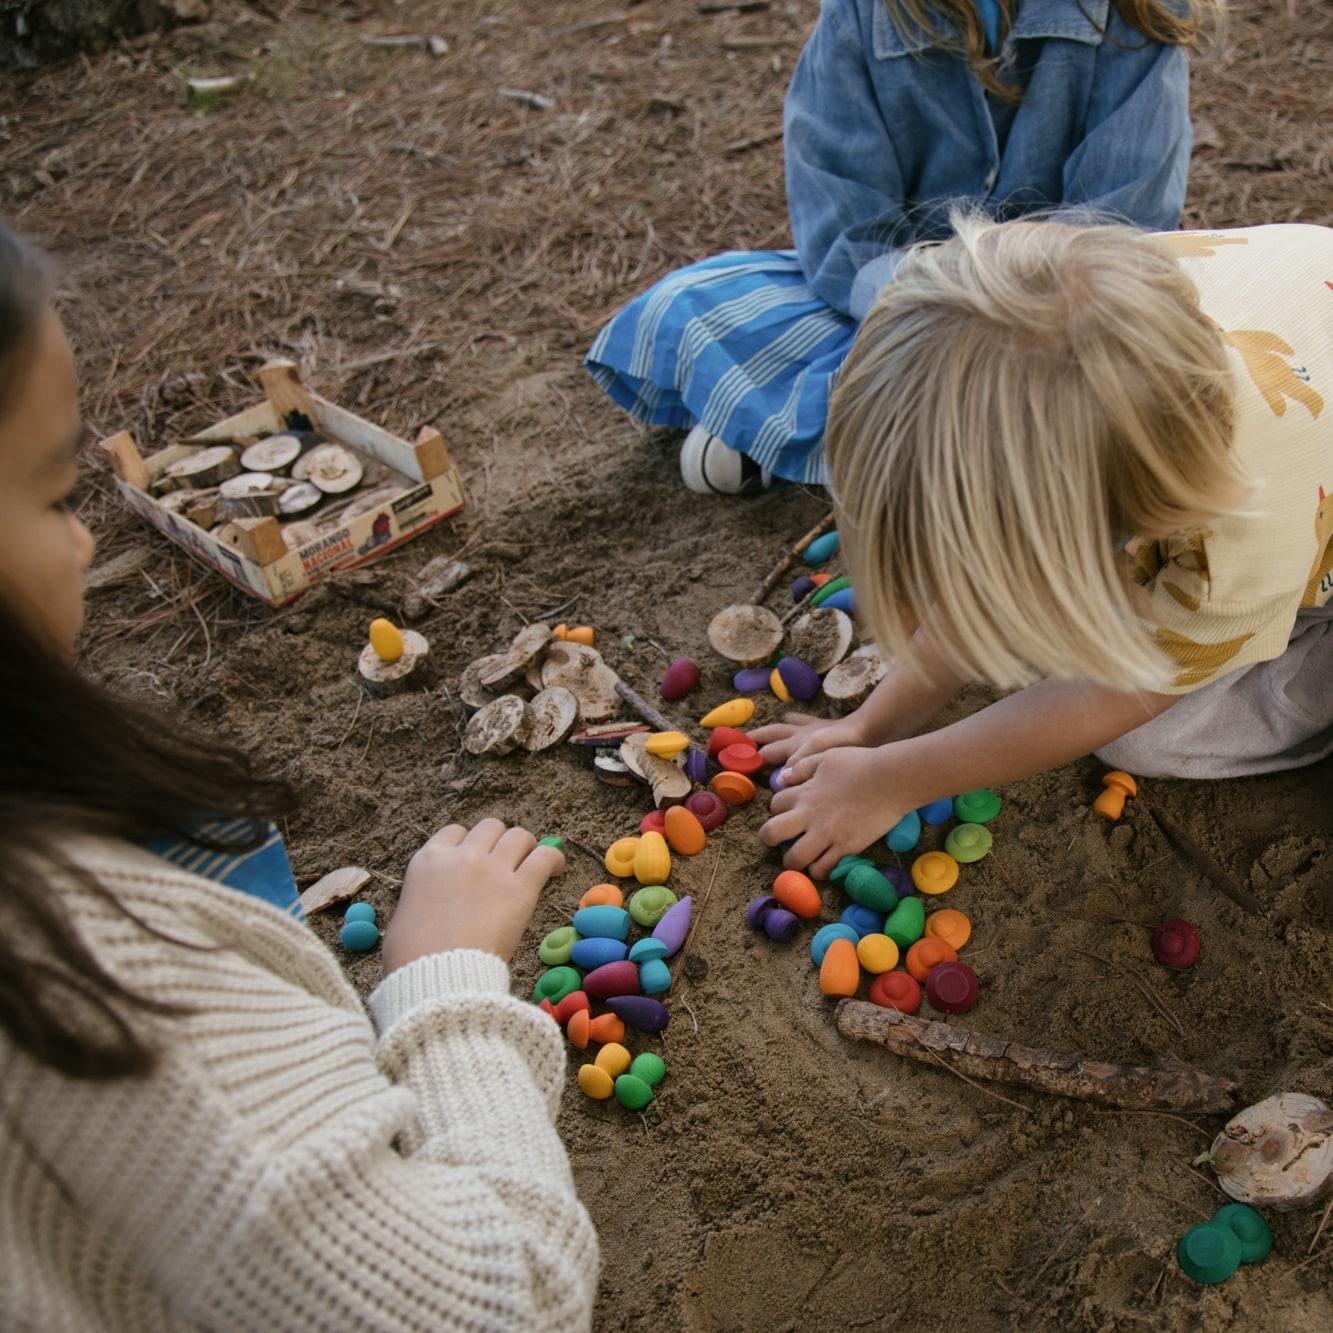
point(264, 872)
point(739, 342)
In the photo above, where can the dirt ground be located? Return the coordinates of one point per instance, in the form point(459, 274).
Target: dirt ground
point(435, 250)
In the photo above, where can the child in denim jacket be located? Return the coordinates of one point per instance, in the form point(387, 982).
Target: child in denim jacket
point(897, 111)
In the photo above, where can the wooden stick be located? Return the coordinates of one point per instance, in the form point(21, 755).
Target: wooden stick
point(1200, 859)
point(1168, 1084)
point(789, 559)
point(644, 709)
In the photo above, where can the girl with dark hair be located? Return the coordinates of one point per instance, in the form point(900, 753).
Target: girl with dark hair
point(193, 1100)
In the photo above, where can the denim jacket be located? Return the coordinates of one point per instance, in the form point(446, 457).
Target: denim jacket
point(884, 132)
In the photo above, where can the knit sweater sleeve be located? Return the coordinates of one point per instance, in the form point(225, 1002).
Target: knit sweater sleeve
point(281, 1168)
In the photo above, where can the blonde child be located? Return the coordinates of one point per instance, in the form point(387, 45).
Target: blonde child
point(199, 1125)
point(1089, 466)
point(898, 111)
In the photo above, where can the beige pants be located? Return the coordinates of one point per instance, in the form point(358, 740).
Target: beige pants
point(1260, 719)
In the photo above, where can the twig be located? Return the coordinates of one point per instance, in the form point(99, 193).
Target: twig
point(756, 141)
point(1319, 1230)
point(1305, 1263)
point(644, 709)
point(1147, 991)
point(1050, 1258)
point(698, 916)
point(1200, 859)
point(1169, 1085)
point(790, 558)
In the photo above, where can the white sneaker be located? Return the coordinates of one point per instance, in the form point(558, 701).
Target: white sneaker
point(710, 466)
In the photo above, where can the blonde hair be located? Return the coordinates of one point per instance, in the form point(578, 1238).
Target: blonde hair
point(1019, 399)
point(1203, 23)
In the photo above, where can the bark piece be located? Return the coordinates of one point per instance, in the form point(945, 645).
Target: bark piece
point(433, 580)
point(667, 780)
point(410, 671)
point(501, 726)
point(336, 887)
point(511, 666)
point(554, 712)
point(1167, 1085)
point(746, 634)
point(582, 671)
point(849, 684)
point(821, 638)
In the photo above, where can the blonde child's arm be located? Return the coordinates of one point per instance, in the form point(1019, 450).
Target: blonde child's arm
point(840, 801)
point(899, 706)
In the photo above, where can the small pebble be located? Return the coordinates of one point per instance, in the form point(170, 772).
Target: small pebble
point(650, 904)
point(556, 948)
point(696, 966)
point(951, 987)
point(648, 1066)
point(595, 1082)
point(822, 549)
point(679, 679)
point(936, 812)
point(360, 936)
point(632, 1093)
point(905, 834)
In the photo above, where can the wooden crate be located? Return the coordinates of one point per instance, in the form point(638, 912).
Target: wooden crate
point(261, 562)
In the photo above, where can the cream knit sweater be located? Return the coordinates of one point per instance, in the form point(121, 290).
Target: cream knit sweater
point(283, 1168)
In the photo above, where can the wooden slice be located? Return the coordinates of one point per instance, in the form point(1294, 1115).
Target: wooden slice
point(200, 507)
point(336, 887)
point(208, 467)
point(331, 467)
point(272, 454)
point(581, 670)
point(746, 634)
point(554, 713)
point(501, 726)
point(470, 689)
point(821, 638)
point(849, 684)
point(667, 779)
point(412, 670)
point(249, 495)
point(612, 770)
point(299, 498)
point(529, 645)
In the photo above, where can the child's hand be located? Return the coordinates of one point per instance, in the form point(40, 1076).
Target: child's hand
point(799, 734)
point(836, 803)
point(469, 889)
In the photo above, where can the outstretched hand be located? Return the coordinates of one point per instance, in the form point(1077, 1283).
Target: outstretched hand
point(799, 735)
point(834, 803)
point(469, 889)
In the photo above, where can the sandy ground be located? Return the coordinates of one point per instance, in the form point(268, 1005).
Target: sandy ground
point(433, 251)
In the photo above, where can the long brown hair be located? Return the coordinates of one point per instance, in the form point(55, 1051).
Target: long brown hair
point(1157, 21)
point(74, 759)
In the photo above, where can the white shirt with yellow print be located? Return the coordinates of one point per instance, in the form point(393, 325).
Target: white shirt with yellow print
point(1228, 597)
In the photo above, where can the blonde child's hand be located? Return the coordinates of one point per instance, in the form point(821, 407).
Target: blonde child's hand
point(469, 889)
point(799, 734)
point(835, 803)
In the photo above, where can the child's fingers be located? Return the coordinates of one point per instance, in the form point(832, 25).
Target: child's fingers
point(542, 863)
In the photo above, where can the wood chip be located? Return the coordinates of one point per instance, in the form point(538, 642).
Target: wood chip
point(511, 666)
point(849, 684)
point(821, 638)
point(336, 887)
point(501, 726)
point(667, 780)
point(582, 671)
point(746, 634)
point(553, 715)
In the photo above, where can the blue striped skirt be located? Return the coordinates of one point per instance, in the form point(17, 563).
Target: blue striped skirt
point(739, 342)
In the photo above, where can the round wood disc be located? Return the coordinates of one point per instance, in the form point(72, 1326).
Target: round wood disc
point(271, 454)
point(746, 634)
point(554, 713)
point(299, 498)
point(821, 638)
point(209, 467)
point(331, 467)
point(849, 684)
point(407, 671)
point(501, 726)
point(581, 670)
